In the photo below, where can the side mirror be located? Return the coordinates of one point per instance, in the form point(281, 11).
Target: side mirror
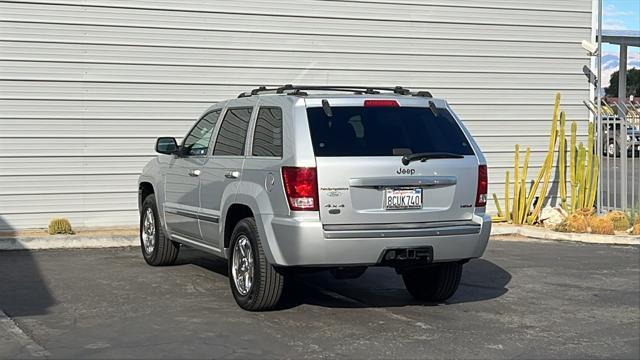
point(167, 145)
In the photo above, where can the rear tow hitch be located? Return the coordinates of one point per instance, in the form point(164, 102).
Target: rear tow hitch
point(407, 257)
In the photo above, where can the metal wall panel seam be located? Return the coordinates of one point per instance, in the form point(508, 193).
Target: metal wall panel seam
point(552, 37)
point(297, 15)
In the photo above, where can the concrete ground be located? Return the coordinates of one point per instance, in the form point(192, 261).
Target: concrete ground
point(522, 300)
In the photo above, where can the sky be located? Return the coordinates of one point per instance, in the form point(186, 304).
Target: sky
point(619, 15)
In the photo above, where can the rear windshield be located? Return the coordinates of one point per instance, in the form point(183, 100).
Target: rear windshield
point(384, 131)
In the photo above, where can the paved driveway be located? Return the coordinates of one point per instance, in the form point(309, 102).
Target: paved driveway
point(522, 300)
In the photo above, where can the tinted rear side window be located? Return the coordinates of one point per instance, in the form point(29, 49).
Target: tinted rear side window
point(233, 132)
point(267, 137)
point(384, 131)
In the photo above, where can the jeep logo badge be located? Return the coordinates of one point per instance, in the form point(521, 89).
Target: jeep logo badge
point(402, 171)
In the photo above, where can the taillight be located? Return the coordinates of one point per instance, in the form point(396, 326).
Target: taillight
point(381, 103)
point(483, 184)
point(301, 187)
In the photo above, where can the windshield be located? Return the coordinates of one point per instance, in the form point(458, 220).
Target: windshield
point(385, 131)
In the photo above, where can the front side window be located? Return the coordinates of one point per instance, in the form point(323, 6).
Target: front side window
point(267, 137)
point(196, 143)
point(233, 132)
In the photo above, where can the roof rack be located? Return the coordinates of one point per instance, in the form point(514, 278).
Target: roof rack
point(300, 90)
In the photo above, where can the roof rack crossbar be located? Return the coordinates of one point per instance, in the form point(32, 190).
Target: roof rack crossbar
point(299, 89)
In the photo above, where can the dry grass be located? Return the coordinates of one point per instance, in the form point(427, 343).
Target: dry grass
point(619, 220)
point(636, 229)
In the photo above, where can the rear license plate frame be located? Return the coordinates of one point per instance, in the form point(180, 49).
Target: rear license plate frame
point(395, 192)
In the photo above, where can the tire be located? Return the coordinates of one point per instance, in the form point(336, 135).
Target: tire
point(433, 284)
point(266, 283)
point(162, 251)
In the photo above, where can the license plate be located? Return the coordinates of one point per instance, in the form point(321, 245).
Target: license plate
point(398, 199)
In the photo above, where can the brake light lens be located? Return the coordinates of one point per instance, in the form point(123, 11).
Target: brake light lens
point(483, 184)
point(381, 103)
point(301, 187)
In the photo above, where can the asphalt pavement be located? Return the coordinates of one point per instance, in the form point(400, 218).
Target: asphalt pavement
point(522, 300)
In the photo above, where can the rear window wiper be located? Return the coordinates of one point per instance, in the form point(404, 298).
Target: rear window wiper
point(407, 159)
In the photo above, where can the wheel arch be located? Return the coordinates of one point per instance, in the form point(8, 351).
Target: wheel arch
point(235, 213)
point(145, 188)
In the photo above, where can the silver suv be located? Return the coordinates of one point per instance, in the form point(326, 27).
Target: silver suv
point(310, 178)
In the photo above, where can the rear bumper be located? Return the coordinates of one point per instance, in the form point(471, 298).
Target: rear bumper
point(297, 242)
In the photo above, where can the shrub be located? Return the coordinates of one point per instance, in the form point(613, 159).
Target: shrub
point(601, 225)
point(60, 226)
point(619, 220)
point(636, 229)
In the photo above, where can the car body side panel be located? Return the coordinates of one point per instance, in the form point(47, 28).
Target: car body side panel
point(153, 173)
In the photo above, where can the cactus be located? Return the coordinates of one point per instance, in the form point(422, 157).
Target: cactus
point(495, 200)
point(545, 171)
point(521, 201)
point(619, 220)
point(580, 175)
point(516, 184)
point(588, 189)
point(583, 175)
point(572, 154)
point(601, 225)
point(524, 211)
point(60, 226)
point(562, 153)
point(506, 197)
point(594, 182)
point(576, 223)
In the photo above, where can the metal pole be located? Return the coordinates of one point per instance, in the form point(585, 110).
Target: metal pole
point(599, 113)
point(622, 94)
point(622, 77)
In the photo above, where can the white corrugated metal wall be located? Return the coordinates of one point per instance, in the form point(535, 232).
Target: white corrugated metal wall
point(86, 86)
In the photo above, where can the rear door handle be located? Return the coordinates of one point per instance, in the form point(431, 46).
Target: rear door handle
point(232, 174)
point(194, 172)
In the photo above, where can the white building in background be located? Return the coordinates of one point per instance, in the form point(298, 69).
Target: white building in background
point(87, 85)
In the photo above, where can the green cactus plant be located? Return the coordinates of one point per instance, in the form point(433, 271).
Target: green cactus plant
point(524, 211)
point(60, 226)
point(594, 182)
point(583, 175)
point(495, 200)
point(548, 168)
point(562, 154)
point(572, 154)
point(580, 175)
point(516, 184)
point(545, 171)
point(588, 188)
point(507, 214)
